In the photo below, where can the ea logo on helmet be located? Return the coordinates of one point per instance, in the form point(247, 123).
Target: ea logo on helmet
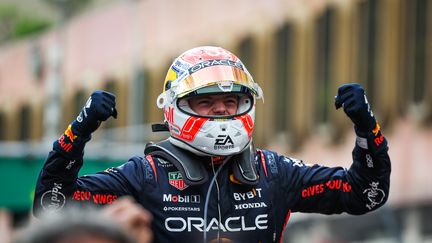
point(223, 142)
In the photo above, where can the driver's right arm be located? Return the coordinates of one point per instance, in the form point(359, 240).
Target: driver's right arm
point(58, 183)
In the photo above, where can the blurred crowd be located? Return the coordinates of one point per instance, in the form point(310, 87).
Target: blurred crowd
point(121, 222)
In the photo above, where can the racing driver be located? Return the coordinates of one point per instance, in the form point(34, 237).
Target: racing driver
point(207, 182)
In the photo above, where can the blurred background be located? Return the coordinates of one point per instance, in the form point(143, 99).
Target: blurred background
point(54, 53)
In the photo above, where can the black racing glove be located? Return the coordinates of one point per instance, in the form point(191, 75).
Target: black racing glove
point(353, 99)
point(99, 107)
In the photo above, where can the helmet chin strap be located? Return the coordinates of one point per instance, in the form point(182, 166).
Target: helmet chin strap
point(191, 166)
point(160, 127)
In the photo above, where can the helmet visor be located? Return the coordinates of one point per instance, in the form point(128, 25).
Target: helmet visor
point(222, 75)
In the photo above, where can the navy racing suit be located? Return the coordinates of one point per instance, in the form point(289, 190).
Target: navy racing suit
point(236, 212)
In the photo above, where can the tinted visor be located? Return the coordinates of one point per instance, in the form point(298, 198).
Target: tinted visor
point(222, 75)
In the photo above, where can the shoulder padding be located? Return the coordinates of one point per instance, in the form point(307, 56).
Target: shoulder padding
point(192, 168)
point(193, 173)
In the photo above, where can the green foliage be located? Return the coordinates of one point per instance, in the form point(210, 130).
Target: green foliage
point(16, 25)
point(29, 25)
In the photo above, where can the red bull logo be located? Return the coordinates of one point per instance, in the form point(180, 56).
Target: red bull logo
point(169, 114)
point(376, 129)
point(65, 145)
point(70, 134)
point(379, 140)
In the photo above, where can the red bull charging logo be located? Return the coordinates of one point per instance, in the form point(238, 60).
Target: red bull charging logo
point(70, 134)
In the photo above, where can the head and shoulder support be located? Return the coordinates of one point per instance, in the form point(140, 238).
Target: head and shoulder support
point(192, 168)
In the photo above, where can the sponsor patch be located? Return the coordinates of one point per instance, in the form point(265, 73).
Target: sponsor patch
point(98, 198)
point(176, 180)
point(250, 205)
point(53, 199)
point(181, 199)
point(379, 140)
point(369, 161)
point(230, 224)
point(215, 62)
point(375, 195)
point(223, 142)
point(242, 196)
point(65, 145)
point(376, 129)
point(163, 163)
point(317, 189)
point(181, 209)
point(70, 134)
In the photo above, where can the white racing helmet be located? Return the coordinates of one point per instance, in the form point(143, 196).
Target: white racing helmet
point(209, 70)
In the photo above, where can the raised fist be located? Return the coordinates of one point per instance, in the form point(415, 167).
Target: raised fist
point(353, 99)
point(99, 107)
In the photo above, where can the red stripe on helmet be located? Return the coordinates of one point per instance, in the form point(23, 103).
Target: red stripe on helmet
point(191, 128)
point(248, 123)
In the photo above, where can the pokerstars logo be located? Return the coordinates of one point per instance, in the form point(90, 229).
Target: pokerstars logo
point(176, 180)
point(181, 199)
